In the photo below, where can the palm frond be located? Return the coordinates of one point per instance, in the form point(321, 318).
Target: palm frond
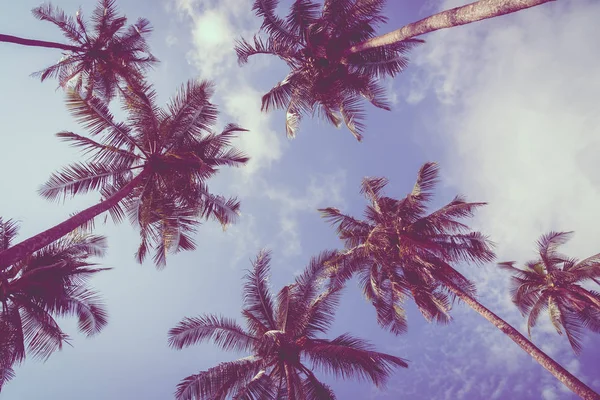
point(257, 298)
point(372, 189)
point(218, 381)
point(540, 305)
point(258, 388)
point(302, 14)
point(58, 17)
point(427, 179)
point(320, 315)
point(279, 96)
point(352, 230)
point(225, 332)
point(316, 390)
point(42, 334)
point(190, 112)
point(353, 115)
point(573, 326)
point(89, 308)
point(349, 357)
point(384, 60)
point(95, 116)
point(245, 50)
point(292, 119)
point(80, 178)
point(549, 243)
point(274, 26)
point(8, 231)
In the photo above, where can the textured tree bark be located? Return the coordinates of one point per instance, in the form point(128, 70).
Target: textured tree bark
point(36, 43)
point(466, 14)
point(35, 243)
point(569, 380)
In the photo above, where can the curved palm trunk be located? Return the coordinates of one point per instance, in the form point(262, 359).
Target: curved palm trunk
point(466, 14)
point(569, 380)
point(36, 43)
point(35, 243)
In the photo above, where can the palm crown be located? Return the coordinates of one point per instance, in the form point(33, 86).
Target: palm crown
point(399, 250)
point(282, 335)
point(100, 56)
point(324, 77)
point(553, 283)
point(174, 152)
point(50, 282)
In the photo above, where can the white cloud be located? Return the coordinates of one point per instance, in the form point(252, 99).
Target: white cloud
point(171, 40)
point(322, 191)
point(519, 122)
point(262, 143)
point(549, 393)
point(515, 100)
point(215, 27)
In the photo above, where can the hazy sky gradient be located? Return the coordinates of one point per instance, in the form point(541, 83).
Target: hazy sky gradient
point(508, 107)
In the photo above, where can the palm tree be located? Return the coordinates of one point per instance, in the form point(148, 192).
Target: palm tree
point(99, 57)
point(399, 250)
point(336, 59)
point(553, 283)
point(50, 282)
point(153, 168)
point(282, 336)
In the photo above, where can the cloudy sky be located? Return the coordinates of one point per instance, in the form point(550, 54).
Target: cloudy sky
point(508, 107)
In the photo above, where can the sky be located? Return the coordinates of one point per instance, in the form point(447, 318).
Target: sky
point(507, 107)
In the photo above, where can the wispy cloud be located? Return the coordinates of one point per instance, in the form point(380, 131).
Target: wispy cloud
point(214, 27)
point(515, 102)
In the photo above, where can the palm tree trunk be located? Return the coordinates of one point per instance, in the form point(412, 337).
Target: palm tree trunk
point(569, 380)
point(35, 243)
point(36, 43)
point(466, 14)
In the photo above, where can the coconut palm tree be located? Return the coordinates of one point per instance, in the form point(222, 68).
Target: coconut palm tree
point(153, 168)
point(282, 337)
point(400, 250)
point(101, 55)
point(553, 283)
point(336, 59)
point(48, 283)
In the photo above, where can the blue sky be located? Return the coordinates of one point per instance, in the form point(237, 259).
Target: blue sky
point(508, 107)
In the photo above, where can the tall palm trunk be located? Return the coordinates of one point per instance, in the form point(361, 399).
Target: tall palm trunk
point(36, 43)
point(35, 243)
point(569, 380)
point(466, 14)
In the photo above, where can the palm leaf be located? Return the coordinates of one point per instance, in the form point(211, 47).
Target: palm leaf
point(350, 357)
point(8, 231)
point(80, 178)
point(223, 331)
point(257, 298)
point(219, 380)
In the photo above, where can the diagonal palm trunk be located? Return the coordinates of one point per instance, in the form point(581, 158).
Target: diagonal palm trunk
point(569, 380)
point(35, 243)
point(466, 14)
point(36, 43)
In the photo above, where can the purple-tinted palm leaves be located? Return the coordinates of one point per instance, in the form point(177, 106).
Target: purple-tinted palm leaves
point(324, 80)
point(281, 335)
point(552, 283)
point(50, 282)
point(400, 250)
point(336, 59)
point(101, 55)
point(153, 169)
